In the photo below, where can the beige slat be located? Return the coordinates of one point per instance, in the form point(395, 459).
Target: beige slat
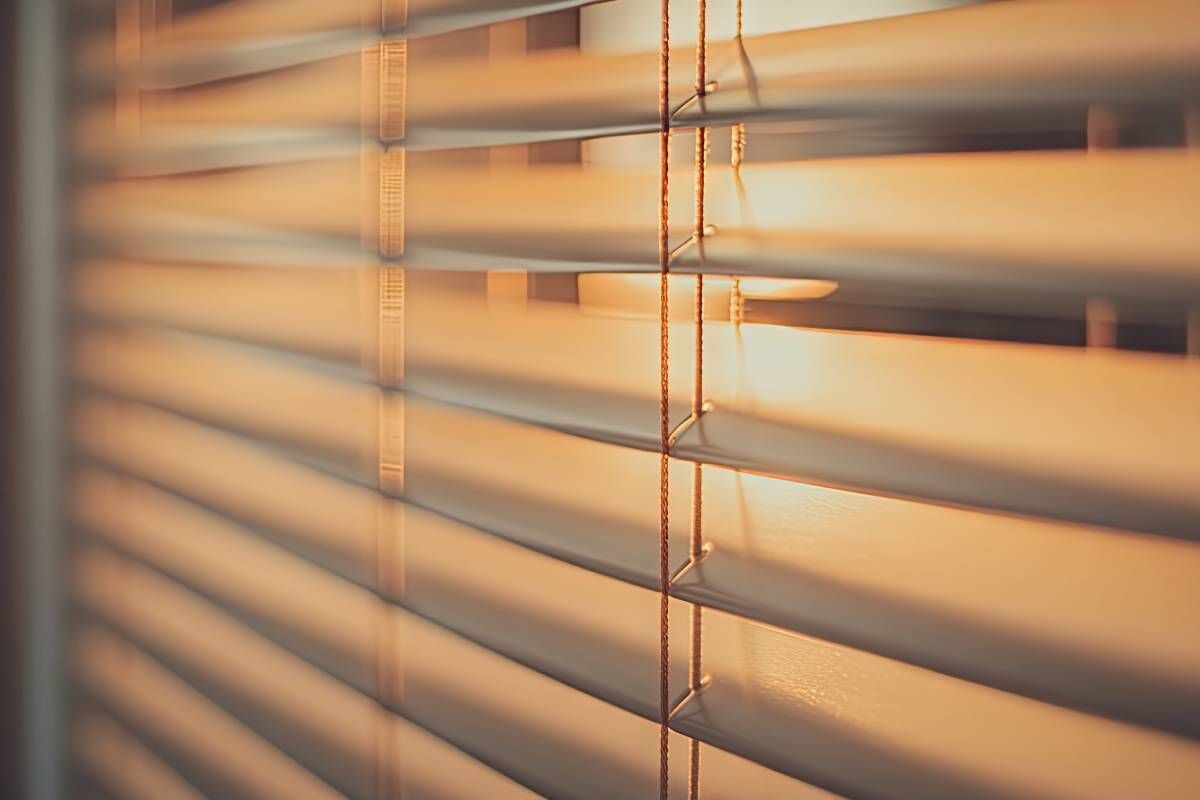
point(960, 225)
point(133, 683)
point(1035, 57)
point(846, 719)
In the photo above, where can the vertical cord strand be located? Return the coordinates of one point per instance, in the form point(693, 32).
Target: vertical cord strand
point(696, 543)
point(664, 256)
point(698, 228)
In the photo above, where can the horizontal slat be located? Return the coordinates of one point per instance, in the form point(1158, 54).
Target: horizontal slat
point(342, 97)
point(126, 514)
point(775, 559)
point(1109, 441)
point(971, 224)
point(282, 401)
point(332, 311)
point(103, 153)
point(203, 241)
point(332, 521)
point(1006, 225)
point(971, 63)
point(862, 724)
point(335, 730)
point(121, 763)
point(202, 550)
point(328, 313)
point(334, 196)
point(250, 36)
point(1034, 56)
point(142, 690)
point(272, 678)
point(806, 558)
point(443, 679)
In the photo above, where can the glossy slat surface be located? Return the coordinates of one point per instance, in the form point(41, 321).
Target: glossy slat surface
point(967, 226)
point(859, 736)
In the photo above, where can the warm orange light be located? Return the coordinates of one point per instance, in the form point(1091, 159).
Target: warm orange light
point(785, 289)
point(636, 295)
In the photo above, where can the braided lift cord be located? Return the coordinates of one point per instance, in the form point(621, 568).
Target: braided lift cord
point(664, 256)
point(695, 665)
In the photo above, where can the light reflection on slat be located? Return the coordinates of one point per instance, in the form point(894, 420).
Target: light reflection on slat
point(1036, 57)
point(948, 225)
point(946, 421)
point(945, 601)
point(943, 420)
point(505, 601)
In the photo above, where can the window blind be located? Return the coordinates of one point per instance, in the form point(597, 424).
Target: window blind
point(693, 399)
